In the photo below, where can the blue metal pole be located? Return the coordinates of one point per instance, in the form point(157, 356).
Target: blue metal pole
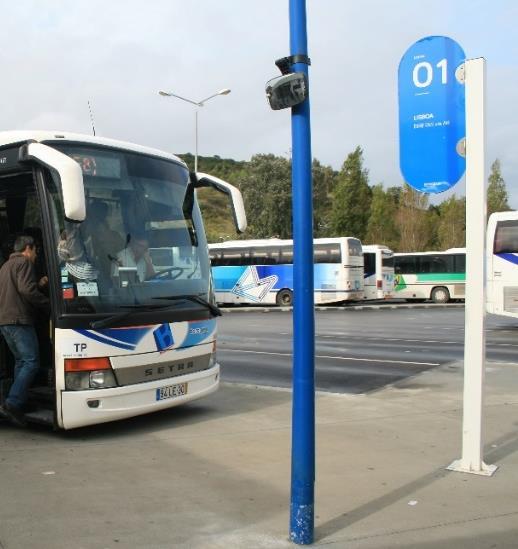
point(303, 412)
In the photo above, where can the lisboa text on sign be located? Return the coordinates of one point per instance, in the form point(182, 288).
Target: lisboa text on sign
point(432, 126)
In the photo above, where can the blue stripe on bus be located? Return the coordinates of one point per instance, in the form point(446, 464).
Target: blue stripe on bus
point(98, 337)
point(509, 257)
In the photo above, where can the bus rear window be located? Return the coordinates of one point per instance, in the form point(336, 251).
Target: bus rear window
point(369, 263)
point(355, 248)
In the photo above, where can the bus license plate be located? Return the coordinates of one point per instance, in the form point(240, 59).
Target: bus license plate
point(171, 391)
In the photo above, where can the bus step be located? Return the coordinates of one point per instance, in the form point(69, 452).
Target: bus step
point(44, 417)
point(42, 394)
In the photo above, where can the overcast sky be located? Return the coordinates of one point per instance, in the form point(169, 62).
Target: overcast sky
point(58, 54)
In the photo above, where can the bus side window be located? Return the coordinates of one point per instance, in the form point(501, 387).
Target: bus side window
point(215, 260)
point(405, 265)
point(264, 256)
point(441, 263)
point(460, 263)
point(286, 255)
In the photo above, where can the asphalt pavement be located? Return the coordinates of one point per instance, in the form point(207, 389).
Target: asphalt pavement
point(216, 473)
point(356, 350)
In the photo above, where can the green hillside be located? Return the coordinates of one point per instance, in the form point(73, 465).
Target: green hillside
point(215, 206)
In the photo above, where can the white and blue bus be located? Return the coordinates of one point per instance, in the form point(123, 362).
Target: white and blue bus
point(378, 272)
point(119, 341)
point(502, 264)
point(261, 271)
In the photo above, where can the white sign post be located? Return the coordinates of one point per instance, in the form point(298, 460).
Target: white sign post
point(475, 312)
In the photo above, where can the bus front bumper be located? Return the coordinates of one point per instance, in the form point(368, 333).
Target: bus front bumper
point(81, 408)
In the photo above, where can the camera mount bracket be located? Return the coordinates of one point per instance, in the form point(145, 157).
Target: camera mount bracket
point(284, 63)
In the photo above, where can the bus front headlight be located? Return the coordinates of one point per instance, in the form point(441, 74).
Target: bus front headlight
point(213, 357)
point(101, 379)
point(88, 373)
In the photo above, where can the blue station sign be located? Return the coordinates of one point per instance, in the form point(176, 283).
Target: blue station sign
point(432, 118)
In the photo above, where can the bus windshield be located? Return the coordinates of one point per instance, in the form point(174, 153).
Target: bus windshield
point(136, 246)
point(506, 237)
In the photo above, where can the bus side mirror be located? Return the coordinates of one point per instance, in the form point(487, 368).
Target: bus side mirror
point(69, 172)
point(236, 198)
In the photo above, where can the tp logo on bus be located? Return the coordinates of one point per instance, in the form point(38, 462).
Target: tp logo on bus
point(80, 347)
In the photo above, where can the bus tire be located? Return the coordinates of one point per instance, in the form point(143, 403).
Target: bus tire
point(284, 298)
point(440, 295)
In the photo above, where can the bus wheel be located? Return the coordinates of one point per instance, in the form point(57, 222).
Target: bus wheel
point(284, 298)
point(440, 295)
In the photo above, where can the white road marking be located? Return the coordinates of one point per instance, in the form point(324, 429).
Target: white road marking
point(439, 341)
point(337, 357)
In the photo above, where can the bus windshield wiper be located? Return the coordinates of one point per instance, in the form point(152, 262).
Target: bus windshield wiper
point(103, 323)
point(214, 309)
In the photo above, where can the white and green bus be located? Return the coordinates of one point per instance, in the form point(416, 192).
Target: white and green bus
point(438, 276)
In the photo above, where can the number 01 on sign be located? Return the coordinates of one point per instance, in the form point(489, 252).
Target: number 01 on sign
point(432, 119)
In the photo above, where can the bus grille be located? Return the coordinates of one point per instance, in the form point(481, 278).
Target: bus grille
point(161, 370)
point(511, 299)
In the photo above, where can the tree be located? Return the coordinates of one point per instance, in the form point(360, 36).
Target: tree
point(215, 207)
point(497, 199)
point(381, 228)
point(412, 221)
point(266, 189)
point(451, 225)
point(351, 198)
point(324, 180)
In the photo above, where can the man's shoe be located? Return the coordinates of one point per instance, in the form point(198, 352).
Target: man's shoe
point(13, 415)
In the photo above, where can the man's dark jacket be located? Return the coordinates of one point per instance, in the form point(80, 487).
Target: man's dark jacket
point(20, 298)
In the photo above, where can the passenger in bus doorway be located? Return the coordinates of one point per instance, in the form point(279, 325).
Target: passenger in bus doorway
point(20, 300)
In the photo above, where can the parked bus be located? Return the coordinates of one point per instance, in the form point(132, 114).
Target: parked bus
point(439, 276)
point(502, 264)
point(378, 272)
point(118, 342)
point(261, 271)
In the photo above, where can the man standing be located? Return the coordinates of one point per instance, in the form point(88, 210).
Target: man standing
point(20, 298)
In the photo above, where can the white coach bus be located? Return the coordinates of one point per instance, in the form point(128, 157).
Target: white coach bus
point(261, 271)
point(119, 341)
point(378, 272)
point(502, 264)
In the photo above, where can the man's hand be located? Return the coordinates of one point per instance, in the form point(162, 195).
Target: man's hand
point(44, 281)
point(147, 259)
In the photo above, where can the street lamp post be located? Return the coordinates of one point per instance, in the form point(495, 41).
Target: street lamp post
point(197, 104)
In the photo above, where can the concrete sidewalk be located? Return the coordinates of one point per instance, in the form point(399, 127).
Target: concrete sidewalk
point(216, 473)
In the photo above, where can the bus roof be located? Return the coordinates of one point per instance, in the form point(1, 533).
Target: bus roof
point(502, 216)
point(18, 136)
point(446, 252)
point(375, 247)
point(272, 242)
